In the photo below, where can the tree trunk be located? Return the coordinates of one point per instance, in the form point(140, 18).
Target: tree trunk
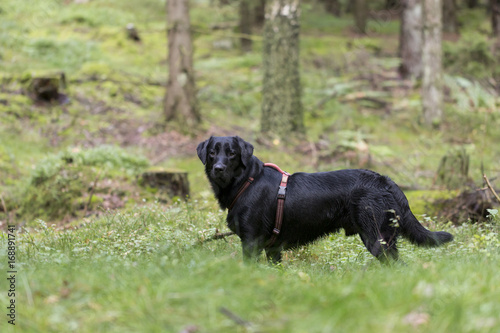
point(472, 3)
point(360, 15)
point(432, 76)
point(392, 4)
point(333, 7)
point(495, 18)
point(410, 39)
point(260, 12)
point(282, 113)
point(450, 21)
point(245, 26)
point(180, 99)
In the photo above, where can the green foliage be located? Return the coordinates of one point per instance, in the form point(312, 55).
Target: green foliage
point(15, 107)
point(58, 185)
point(6, 164)
point(471, 56)
point(470, 95)
point(69, 53)
point(106, 157)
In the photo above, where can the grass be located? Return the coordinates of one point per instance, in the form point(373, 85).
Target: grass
point(148, 270)
point(145, 268)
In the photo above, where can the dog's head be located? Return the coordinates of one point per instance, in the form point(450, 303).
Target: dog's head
point(224, 158)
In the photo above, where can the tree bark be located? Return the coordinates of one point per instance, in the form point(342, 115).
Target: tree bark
point(181, 104)
point(391, 4)
point(472, 3)
point(432, 76)
point(360, 15)
point(495, 18)
point(410, 39)
point(245, 25)
point(333, 7)
point(260, 12)
point(282, 113)
point(450, 21)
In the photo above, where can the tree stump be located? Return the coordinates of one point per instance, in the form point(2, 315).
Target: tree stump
point(171, 183)
point(47, 88)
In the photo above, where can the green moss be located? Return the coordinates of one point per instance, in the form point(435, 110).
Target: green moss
point(59, 185)
point(421, 200)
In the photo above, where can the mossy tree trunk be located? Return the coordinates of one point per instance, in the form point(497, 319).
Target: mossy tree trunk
point(245, 24)
point(410, 39)
point(181, 105)
point(282, 113)
point(432, 75)
point(360, 15)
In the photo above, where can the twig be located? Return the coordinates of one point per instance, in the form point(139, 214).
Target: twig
point(491, 188)
point(219, 235)
point(237, 319)
point(91, 193)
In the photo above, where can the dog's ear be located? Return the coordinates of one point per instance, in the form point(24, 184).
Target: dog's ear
point(202, 150)
point(246, 150)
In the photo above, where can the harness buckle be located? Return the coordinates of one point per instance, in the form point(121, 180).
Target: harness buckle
point(282, 192)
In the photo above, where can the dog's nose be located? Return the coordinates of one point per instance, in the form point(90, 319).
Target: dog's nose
point(219, 167)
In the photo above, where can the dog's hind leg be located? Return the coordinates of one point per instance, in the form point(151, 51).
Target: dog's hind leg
point(381, 242)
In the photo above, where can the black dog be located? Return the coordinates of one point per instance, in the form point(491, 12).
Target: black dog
point(359, 201)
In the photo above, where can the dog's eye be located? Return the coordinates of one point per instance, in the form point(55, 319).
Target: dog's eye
point(211, 153)
point(232, 154)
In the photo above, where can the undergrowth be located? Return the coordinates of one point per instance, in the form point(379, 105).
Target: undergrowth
point(59, 185)
point(151, 269)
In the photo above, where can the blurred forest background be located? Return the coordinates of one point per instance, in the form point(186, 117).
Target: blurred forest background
point(103, 103)
point(93, 94)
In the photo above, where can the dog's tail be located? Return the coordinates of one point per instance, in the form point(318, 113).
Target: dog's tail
point(411, 228)
point(419, 235)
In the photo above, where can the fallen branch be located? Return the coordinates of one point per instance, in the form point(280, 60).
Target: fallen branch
point(491, 188)
point(146, 82)
point(219, 235)
point(379, 102)
point(237, 319)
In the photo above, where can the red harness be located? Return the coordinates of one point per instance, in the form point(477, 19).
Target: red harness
point(281, 200)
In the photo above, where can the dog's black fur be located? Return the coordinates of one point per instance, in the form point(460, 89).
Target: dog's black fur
point(359, 201)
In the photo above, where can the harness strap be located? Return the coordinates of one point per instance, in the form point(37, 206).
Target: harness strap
point(281, 201)
point(281, 204)
point(240, 191)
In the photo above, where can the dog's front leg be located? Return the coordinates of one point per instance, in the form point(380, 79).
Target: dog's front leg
point(273, 255)
point(251, 249)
